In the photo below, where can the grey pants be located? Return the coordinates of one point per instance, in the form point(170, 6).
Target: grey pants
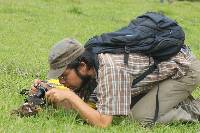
point(171, 93)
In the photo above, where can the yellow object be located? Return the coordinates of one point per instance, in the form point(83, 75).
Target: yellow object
point(55, 83)
point(92, 104)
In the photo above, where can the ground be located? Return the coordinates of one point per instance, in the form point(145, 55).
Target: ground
point(30, 27)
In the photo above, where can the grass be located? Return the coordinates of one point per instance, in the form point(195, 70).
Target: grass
point(30, 27)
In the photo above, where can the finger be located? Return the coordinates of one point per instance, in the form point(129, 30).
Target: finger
point(46, 85)
point(49, 93)
point(33, 89)
point(36, 82)
point(51, 99)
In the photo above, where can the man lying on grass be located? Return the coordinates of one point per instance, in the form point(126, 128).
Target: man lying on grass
point(74, 66)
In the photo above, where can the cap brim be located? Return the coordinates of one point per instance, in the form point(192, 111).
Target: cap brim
point(55, 73)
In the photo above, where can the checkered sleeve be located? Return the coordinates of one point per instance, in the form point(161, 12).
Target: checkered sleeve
point(113, 90)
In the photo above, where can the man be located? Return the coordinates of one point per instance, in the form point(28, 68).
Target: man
point(74, 66)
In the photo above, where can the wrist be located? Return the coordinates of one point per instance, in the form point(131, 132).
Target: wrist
point(69, 95)
point(72, 98)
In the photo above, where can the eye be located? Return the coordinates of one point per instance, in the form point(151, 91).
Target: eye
point(61, 77)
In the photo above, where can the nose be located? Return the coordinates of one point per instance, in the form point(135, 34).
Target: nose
point(61, 81)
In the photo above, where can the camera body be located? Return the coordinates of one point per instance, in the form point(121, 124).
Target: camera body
point(37, 98)
point(40, 91)
point(34, 101)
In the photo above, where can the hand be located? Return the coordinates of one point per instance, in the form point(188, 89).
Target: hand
point(65, 104)
point(57, 97)
point(36, 82)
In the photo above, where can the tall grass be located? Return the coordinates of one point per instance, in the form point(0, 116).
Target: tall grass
point(30, 27)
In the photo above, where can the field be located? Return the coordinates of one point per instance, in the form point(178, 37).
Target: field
point(28, 29)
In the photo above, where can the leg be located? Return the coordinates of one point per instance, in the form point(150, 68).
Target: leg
point(186, 111)
point(171, 93)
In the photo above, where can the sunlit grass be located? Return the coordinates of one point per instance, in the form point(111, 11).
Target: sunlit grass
point(28, 28)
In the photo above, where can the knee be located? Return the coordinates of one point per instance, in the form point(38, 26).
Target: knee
point(140, 116)
point(196, 71)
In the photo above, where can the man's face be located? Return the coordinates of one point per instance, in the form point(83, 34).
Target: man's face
point(70, 79)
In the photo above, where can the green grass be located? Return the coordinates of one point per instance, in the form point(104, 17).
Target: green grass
point(30, 27)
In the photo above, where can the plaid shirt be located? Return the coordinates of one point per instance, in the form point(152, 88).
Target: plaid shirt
point(114, 90)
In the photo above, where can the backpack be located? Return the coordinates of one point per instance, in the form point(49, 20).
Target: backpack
point(152, 34)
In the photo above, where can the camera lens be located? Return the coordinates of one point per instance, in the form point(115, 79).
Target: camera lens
point(41, 91)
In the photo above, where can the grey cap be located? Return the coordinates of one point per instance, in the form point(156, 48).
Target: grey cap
point(61, 54)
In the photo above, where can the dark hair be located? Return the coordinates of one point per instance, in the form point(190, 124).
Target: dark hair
point(87, 57)
point(89, 84)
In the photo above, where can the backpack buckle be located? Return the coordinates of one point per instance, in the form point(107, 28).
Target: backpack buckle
point(126, 54)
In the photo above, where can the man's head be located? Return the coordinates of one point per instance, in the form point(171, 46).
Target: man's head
point(62, 54)
point(71, 64)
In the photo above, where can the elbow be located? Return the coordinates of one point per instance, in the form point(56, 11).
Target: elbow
point(104, 125)
point(105, 121)
point(100, 121)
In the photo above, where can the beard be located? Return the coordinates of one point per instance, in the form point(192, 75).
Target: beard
point(88, 84)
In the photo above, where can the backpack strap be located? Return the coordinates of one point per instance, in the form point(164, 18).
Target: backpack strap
point(96, 64)
point(157, 105)
point(126, 54)
point(143, 75)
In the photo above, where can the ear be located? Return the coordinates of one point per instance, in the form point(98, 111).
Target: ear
point(83, 69)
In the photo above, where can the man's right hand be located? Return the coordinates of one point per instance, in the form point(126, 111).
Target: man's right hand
point(36, 83)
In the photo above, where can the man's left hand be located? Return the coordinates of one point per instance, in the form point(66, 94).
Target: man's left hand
point(57, 96)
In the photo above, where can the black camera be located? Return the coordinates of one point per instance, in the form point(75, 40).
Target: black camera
point(40, 91)
point(35, 98)
point(33, 102)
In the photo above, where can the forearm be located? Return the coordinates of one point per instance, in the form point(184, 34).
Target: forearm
point(63, 104)
point(91, 115)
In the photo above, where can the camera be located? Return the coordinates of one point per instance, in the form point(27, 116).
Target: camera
point(33, 102)
point(40, 91)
